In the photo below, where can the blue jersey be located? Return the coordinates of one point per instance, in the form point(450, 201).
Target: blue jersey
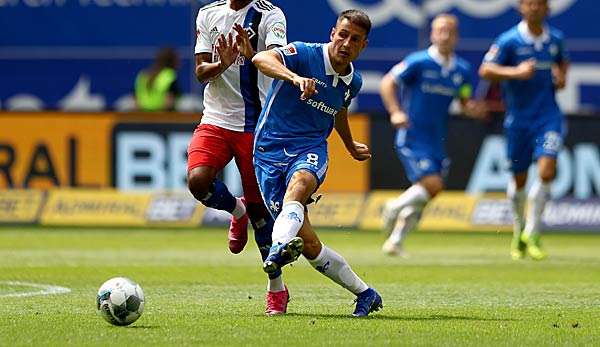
point(528, 100)
point(290, 125)
point(428, 86)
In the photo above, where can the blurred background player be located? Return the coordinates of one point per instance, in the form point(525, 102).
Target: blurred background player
point(532, 64)
point(229, 33)
point(429, 80)
point(156, 88)
point(316, 83)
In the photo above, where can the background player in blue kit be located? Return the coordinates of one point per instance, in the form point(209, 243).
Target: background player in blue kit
point(312, 91)
point(429, 80)
point(532, 64)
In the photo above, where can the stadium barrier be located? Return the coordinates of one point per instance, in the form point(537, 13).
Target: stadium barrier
point(451, 211)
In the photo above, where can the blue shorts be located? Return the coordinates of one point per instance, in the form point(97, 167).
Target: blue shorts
point(274, 171)
point(420, 163)
point(526, 144)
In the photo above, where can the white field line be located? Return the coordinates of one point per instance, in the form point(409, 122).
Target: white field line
point(44, 289)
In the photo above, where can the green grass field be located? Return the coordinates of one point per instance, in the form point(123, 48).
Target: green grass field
point(456, 289)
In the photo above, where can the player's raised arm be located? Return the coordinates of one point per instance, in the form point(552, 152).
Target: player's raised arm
point(496, 72)
point(271, 64)
point(359, 151)
point(207, 70)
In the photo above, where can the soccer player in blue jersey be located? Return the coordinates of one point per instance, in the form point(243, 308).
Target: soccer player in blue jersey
point(313, 87)
point(428, 80)
point(531, 63)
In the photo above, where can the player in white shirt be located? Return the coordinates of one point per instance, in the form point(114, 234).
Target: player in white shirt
point(228, 34)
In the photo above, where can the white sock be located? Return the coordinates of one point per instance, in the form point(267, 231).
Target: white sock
point(416, 195)
point(239, 210)
point(517, 199)
point(334, 266)
point(537, 198)
point(407, 221)
point(289, 222)
point(276, 284)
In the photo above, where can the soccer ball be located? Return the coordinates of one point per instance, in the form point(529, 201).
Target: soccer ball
point(120, 301)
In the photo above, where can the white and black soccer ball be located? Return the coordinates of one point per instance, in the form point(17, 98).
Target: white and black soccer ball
point(120, 301)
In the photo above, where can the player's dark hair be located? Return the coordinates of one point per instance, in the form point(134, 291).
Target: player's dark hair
point(356, 17)
point(165, 58)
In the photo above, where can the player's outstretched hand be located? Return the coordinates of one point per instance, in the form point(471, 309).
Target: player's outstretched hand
point(242, 40)
point(399, 119)
point(307, 86)
point(360, 152)
point(228, 51)
point(526, 69)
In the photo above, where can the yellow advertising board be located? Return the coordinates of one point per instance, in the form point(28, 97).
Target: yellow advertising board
point(20, 206)
point(450, 211)
point(371, 217)
point(337, 210)
point(44, 150)
point(345, 174)
point(95, 207)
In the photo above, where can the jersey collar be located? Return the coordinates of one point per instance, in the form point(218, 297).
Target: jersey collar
point(331, 72)
point(446, 64)
point(528, 37)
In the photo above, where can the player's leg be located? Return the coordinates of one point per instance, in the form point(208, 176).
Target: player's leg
point(416, 197)
point(287, 245)
point(519, 152)
point(548, 143)
point(208, 153)
point(333, 265)
point(262, 222)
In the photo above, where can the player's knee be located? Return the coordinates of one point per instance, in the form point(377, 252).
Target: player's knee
point(433, 184)
point(302, 185)
point(547, 173)
point(199, 183)
point(312, 249)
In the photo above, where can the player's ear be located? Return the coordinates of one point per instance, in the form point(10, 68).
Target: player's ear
point(332, 34)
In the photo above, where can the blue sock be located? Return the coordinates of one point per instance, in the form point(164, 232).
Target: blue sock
point(220, 198)
point(263, 228)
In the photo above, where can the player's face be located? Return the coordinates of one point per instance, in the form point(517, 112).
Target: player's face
point(347, 40)
point(444, 35)
point(534, 10)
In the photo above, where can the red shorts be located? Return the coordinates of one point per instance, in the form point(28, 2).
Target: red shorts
point(215, 147)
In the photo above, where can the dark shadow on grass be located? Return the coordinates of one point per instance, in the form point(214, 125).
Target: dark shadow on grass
point(142, 326)
point(383, 316)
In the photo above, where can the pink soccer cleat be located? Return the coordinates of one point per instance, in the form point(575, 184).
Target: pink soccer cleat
point(238, 233)
point(277, 302)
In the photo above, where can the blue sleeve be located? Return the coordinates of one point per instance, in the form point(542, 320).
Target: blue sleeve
point(406, 71)
point(293, 54)
point(465, 90)
point(499, 52)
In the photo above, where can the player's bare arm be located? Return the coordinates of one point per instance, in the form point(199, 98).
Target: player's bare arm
point(271, 64)
point(359, 151)
point(559, 74)
point(206, 69)
point(495, 72)
point(388, 91)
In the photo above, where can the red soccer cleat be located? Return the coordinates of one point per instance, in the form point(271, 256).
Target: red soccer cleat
point(238, 233)
point(277, 302)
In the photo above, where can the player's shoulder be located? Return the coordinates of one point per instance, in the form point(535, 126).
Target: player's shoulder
point(266, 7)
point(509, 36)
point(357, 80)
point(463, 64)
point(417, 57)
point(556, 34)
point(213, 6)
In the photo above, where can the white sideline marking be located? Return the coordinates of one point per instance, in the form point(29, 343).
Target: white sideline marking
point(45, 289)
